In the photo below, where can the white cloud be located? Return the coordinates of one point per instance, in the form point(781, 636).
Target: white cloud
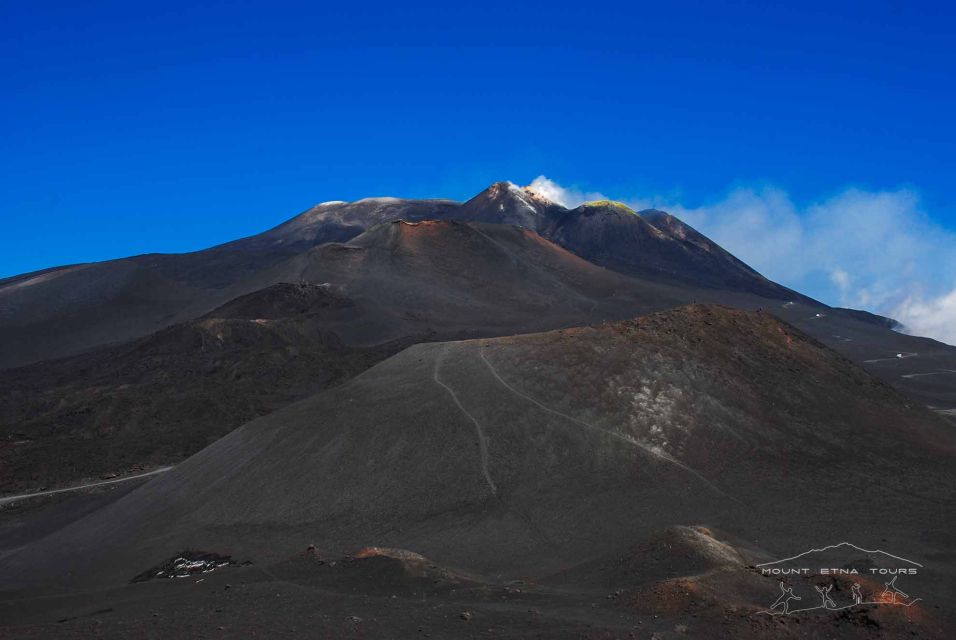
point(935, 317)
point(873, 250)
point(841, 279)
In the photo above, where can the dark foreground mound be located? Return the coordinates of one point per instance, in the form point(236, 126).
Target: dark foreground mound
point(374, 571)
point(551, 455)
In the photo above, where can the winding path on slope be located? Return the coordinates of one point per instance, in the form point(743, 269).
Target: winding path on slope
point(941, 372)
point(654, 453)
point(902, 356)
point(482, 438)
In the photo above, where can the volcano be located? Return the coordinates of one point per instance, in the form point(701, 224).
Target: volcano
point(162, 397)
point(397, 417)
point(73, 309)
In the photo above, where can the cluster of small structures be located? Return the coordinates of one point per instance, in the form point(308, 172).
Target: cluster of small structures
point(185, 564)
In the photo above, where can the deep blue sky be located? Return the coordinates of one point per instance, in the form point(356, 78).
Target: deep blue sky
point(130, 127)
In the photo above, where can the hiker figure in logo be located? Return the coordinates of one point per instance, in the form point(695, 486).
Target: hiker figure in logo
point(825, 594)
point(786, 595)
point(891, 591)
point(857, 593)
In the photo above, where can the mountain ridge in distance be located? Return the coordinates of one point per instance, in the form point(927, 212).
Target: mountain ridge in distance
point(64, 311)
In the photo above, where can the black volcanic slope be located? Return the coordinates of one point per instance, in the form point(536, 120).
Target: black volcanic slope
point(68, 310)
point(532, 456)
point(649, 243)
point(445, 277)
point(99, 412)
point(163, 397)
point(652, 243)
point(341, 221)
point(606, 478)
